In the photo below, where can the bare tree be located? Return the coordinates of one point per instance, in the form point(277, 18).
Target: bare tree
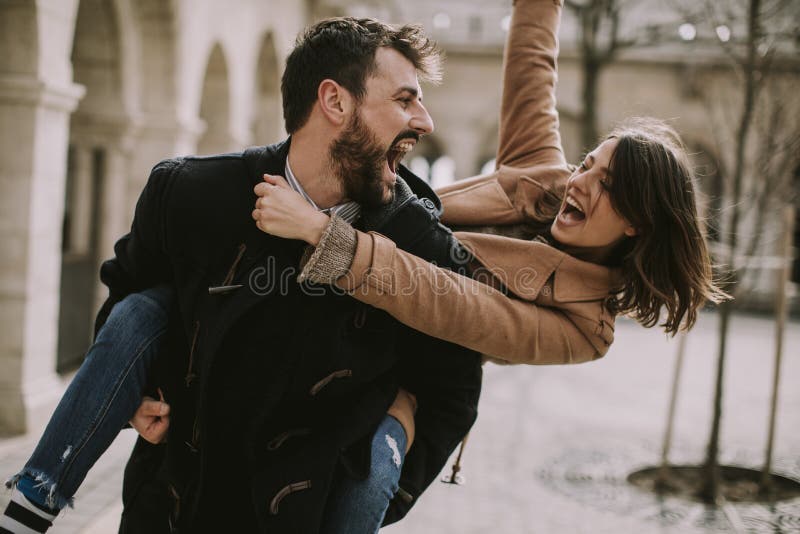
point(599, 42)
point(757, 152)
point(781, 311)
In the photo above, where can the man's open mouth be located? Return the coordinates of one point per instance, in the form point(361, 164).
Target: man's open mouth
point(397, 152)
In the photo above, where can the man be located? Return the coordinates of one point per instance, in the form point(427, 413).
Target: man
point(277, 388)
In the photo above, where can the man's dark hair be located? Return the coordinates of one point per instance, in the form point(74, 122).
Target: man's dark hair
point(343, 49)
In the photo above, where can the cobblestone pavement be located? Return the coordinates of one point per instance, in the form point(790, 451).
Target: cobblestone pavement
point(553, 445)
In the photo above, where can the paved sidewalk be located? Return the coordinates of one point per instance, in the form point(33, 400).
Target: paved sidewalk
point(553, 445)
point(98, 501)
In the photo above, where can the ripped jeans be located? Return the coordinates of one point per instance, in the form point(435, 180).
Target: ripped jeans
point(106, 392)
point(358, 506)
point(102, 397)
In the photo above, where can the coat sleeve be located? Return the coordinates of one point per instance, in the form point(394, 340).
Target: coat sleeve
point(530, 159)
point(456, 308)
point(528, 133)
point(140, 257)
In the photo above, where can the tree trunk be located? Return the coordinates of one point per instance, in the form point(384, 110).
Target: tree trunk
point(710, 490)
point(780, 318)
point(593, 59)
point(591, 77)
point(663, 469)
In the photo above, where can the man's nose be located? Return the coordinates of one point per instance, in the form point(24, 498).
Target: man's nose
point(421, 122)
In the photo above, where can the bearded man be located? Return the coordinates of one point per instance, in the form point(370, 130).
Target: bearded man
point(293, 405)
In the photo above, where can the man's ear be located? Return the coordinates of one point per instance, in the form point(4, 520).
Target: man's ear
point(335, 102)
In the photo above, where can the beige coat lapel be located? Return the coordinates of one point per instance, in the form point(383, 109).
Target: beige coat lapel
point(525, 266)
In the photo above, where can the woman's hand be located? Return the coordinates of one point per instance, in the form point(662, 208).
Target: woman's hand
point(283, 212)
point(151, 420)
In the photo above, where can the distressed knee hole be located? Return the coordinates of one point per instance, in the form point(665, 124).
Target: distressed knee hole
point(395, 451)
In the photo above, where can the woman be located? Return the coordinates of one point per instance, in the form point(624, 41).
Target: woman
point(619, 234)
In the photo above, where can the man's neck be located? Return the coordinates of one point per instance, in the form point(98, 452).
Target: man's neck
point(309, 163)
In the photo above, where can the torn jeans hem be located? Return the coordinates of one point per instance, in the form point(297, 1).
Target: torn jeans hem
point(44, 484)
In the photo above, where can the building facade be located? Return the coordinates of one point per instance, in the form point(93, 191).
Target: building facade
point(94, 92)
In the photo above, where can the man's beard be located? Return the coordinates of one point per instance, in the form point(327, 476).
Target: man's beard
point(358, 159)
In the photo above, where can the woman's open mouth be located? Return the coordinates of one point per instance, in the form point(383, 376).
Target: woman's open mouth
point(571, 212)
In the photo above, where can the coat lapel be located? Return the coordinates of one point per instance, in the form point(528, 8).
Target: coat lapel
point(524, 267)
point(266, 262)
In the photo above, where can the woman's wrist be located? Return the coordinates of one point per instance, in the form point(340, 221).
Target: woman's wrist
point(316, 227)
point(333, 254)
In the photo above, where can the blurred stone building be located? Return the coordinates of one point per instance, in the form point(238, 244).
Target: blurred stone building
point(94, 92)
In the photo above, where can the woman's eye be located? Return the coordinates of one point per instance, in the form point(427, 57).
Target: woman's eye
point(582, 166)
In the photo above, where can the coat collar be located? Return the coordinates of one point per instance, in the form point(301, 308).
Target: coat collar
point(409, 187)
point(525, 266)
point(272, 160)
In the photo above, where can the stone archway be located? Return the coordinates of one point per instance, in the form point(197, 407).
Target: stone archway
point(95, 185)
point(267, 122)
point(36, 98)
point(215, 105)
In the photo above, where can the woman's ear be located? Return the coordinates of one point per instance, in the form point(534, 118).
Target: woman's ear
point(630, 231)
point(335, 102)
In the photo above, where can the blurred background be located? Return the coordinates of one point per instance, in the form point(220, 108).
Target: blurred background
point(94, 92)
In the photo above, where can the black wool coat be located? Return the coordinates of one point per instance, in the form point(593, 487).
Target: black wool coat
point(276, 387)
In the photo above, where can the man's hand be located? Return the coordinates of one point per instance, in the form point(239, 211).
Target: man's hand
point(151, 420)
point(283, 212)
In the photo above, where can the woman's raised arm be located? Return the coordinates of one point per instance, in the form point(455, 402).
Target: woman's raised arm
point(528, 118)
point(530, 158)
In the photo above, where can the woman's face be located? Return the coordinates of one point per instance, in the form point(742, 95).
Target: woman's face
point(587, 219)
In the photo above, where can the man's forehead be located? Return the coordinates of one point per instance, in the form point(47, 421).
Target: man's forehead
point(395, 72)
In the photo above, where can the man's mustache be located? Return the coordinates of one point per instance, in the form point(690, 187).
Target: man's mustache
point(407, 134)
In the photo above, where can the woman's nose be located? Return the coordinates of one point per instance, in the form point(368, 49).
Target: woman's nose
point(578, 181)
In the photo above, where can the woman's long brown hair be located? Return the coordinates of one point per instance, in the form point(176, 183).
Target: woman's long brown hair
point(667, 265)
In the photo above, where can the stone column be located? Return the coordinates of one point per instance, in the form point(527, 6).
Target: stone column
point(113, 212)
point(34, 133)
point(80, 201)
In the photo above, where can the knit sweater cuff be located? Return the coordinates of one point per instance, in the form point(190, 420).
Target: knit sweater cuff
point(333, 256)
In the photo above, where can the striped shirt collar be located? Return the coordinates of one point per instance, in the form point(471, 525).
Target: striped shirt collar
point(349, 211)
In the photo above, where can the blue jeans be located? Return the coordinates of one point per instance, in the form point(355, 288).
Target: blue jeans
point(100, 400)
point(358, 506)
